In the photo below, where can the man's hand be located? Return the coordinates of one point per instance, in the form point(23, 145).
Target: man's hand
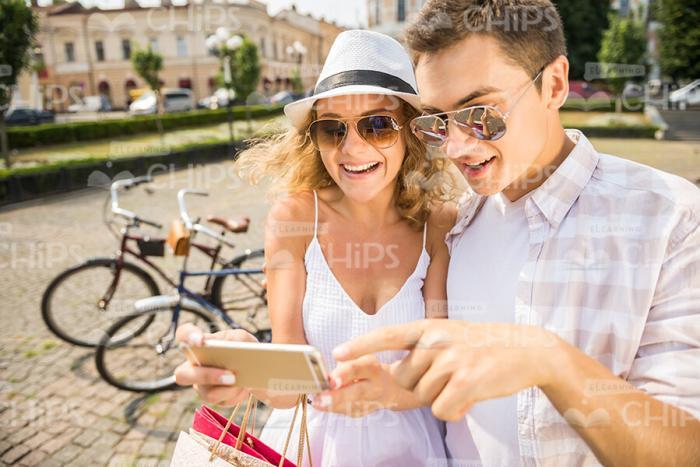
point(214, 385)
point(360, 387)
point(454, 364)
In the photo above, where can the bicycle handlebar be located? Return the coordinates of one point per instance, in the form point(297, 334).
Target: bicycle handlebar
point(128, 184)
point(138, 181)
point(197, 227)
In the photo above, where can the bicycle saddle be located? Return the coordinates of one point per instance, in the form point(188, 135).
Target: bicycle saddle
point(239, 225)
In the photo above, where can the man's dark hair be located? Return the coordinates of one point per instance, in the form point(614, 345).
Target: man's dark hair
point(529, 32)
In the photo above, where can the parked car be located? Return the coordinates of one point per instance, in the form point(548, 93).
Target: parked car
point(27, 116)
point(91, 104)
point(285, 97)
point(687, 95)
point(216, 100)
point(174, 100)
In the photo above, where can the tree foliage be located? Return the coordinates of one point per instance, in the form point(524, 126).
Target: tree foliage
point(148, 64)
point(584, 23)
point(18, 28)
point(624, 43)
point(245, 68)
point(679, 38)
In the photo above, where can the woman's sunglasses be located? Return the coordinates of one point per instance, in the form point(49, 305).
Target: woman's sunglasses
point(381, 131)
point(483, 122)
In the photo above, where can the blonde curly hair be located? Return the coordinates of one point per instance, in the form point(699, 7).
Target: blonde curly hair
point(291, 163)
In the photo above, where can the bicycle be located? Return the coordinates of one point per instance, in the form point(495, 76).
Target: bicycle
point(146, 362)
point(82, 301)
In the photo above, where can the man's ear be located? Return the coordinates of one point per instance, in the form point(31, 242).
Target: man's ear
point(555, 83)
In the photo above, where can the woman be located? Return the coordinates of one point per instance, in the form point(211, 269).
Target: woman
point(356, 244)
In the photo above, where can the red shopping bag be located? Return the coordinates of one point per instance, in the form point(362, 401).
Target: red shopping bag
point(235, 445)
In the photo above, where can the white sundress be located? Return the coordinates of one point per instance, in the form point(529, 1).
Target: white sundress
point(384, 437)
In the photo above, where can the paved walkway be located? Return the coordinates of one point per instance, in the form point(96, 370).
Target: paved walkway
point(54, 409)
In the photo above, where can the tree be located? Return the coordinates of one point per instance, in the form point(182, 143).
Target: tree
point(584, 23)
point(624, 43)
point(679, 37)
point(297, 83)
point(245, 68)
point(148, 64)
point(18, 27)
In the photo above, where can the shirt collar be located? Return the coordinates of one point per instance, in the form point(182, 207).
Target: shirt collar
point(554, 197)
point(561, 190)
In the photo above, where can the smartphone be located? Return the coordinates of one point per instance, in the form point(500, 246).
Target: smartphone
point(276, 367)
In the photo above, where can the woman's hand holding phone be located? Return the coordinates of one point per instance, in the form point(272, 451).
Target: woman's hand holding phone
point(214, 385)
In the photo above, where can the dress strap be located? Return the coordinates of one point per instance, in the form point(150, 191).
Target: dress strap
point(315, 214)
point(425, 233)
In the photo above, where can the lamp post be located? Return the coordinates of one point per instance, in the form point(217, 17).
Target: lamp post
point(297, 52)
point(223, 44)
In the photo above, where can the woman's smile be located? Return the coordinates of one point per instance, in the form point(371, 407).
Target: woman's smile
point(359, 171)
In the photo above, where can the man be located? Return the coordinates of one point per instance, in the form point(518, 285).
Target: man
point(574, 281)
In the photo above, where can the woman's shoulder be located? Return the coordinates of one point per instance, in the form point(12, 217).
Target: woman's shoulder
point(296, 206)
point(440, 221)
point(290, 222)
point(443, 215)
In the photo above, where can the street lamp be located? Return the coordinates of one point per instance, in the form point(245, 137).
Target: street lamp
point(222, 43)
point(297, 52)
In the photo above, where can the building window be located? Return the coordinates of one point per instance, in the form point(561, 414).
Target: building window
point(378, 11)
point(181, 46)
point(263, 52)
point(153, 44)
point(126, 49)
point(401, 16)
point(70, 51)
point(100, 51)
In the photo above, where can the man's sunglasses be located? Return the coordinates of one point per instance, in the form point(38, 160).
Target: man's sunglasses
point(483, 122)
point(381, 131)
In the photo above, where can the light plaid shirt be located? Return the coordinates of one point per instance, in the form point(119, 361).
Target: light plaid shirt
point(613, 268)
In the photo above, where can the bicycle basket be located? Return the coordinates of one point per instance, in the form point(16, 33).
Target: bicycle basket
point(179, 238)
point(152, 246)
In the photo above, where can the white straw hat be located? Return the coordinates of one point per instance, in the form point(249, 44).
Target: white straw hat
point(360, 62)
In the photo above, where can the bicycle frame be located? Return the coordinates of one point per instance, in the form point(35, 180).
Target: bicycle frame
point(166, 341)
point(125, 250)
point(164, 345)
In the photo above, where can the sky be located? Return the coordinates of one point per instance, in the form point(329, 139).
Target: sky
point(349, 13)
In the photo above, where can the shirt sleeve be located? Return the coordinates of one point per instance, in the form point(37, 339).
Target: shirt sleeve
point(667, 363)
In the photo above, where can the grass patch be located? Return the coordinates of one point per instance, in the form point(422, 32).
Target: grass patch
point(150, 400)
point(48, 344)
point(45, 346)
point(74, 155)
point(64, 164)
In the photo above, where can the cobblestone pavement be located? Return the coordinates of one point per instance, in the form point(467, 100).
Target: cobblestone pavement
point(54, 408)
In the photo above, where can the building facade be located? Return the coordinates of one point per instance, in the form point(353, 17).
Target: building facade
point(87, 51)
point(390, 16)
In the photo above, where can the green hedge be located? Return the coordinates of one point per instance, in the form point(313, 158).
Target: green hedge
point(636, 131)
point(56, 133)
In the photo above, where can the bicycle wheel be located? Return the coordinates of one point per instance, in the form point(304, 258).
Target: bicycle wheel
point(70, 304)
point(146, 362)
point(243, 297)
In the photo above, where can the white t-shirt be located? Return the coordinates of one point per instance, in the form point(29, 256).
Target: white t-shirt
point(481, 286)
